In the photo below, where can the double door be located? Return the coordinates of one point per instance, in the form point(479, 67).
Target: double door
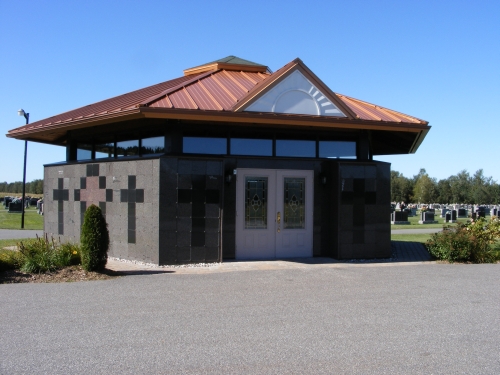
point(274, 213)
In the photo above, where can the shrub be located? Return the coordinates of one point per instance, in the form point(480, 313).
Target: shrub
point(44, 255)
point(94, 240)
point(10, 260)
point(467, 242)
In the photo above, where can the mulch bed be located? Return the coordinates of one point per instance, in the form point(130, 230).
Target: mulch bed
point(68, 274)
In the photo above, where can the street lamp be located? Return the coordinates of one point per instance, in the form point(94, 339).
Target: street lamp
point(27, 117)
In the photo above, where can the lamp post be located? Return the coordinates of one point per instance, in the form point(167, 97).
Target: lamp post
point(27, 117)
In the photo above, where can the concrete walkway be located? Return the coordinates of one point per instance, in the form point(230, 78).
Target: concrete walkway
point(402, 253)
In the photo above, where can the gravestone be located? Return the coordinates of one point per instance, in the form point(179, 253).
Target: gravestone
point(399, 217)
point(33, 201)
point(16, 206)
point(451, 217)
point(462, 212)
point(494, 211)
point(7, 201)
point(444, 211)
point(427, 217)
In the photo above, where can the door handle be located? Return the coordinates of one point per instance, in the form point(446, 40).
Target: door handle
point(278, 217)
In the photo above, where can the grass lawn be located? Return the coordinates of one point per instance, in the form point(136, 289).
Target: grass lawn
point(8, 243)
point(414, 223)
point(13, 220)
point(422, 237)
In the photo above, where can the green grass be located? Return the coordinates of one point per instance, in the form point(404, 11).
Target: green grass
point(8, 243)
point(13, 220)
point(19, 195)
point(414, 223)
point(421, 237)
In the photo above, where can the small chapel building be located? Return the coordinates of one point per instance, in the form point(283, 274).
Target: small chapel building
point(228, 161)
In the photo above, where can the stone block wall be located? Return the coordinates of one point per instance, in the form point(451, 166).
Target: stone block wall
point(127, 193)
point(364, 208)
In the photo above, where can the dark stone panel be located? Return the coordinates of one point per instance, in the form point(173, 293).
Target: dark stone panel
point(60, 183)
point(131, 195)
point(60, 207)
point(167, 224)
point(131, 236)
point(123, 195)
point(183, 239)
point(212, 196)
point(198, 224)
point(212, 224)
point(168, 254)
point(197, 239)
point(77, 195)
point(83, 182)
point(184, 167)
point(184, 210)
point(102, 206)
point(183, 254)
point(198, 196)
point(55, 194)
point(371, 197)
point(198, 210)
point(109, 195)
point(131, 209)
point(212, 239)
point(213, 182)
point(184, 181)
point(89, 170)
point(131, 223)
point(359, 185)
point(359, 217)
point(60, 228)
point(139, 195)
point(184, 196)
point(214, 168)
point(60, 216)
point(184, 224)
point(65, 195)
point(131, 182)
point(198, 182)
point(199, 167)
point(358, 236)
point(347, 197)
point(95, 169)
point(212, 210)
point(212, 254)
point(102, 182)
point(358, 201)
point(198, 254)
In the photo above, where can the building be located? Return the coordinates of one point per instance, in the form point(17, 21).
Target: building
point(229, 161)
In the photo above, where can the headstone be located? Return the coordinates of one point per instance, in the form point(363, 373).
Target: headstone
point(399, 217)
point(427, 217)
point(444, 211)
point(451, 217)
point(462, 212)
point(16, 206)
point(33, 201)
point(494, 211)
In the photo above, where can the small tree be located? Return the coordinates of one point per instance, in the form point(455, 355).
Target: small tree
point(94, 240)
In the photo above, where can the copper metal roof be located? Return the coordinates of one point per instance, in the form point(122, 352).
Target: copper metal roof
point(214, 89)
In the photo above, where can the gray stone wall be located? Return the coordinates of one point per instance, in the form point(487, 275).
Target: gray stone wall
point(126, 191)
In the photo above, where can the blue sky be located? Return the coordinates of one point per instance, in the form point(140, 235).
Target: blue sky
point(435, 60)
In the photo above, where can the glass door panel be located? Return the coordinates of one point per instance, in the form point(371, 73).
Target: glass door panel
point(294, 203)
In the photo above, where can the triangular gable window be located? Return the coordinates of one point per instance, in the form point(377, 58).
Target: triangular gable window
point(295, 95)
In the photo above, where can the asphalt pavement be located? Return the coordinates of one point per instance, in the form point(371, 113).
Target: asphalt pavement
point(424, 318)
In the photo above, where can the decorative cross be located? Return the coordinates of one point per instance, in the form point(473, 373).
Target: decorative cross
point(132, 195)
point(60, 195)
point(93, 191)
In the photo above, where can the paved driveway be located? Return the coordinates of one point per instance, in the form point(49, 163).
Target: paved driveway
point(353, 318)
point(7, 234)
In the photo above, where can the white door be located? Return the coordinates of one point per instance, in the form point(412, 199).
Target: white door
point(274, 213)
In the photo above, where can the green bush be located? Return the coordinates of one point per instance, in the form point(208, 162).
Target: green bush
point(467, 242)
point(10, 260)
point(94, 240)
point(44, 255)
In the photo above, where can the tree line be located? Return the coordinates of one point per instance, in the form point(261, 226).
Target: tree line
point(33, 187)
point(461, 188)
